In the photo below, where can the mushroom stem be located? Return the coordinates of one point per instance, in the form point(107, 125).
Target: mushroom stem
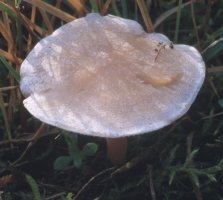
point(117, 149)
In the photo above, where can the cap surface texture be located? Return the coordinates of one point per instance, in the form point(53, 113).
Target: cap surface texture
point(107, 77)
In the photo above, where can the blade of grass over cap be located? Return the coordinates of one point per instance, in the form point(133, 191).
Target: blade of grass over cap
point(124, 9)
point(105, 7)
point(136, 12)
point(94, 6)
point(115, 8)
point(178, 22)
point(145, 14)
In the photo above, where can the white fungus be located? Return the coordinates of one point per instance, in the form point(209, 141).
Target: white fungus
point(107, 77)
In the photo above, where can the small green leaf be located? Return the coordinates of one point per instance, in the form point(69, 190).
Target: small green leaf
point(69, 196)
point(34, 186)
point(62, 162)
point(77, 163)
point(89, 149)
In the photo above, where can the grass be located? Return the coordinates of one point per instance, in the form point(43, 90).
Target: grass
point(182, 161)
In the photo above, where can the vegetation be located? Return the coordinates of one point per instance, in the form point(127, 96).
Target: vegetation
point(182, 161)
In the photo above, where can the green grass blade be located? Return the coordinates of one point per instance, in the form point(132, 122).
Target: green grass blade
point(124, 9)
point(167, 14)
point(172, 176)
point(213, 50)
point(94, 6)
point(178, 22)
point(136, 12)
point(115, 8)
point(5, 118)
point(194, 178)
point(218, 33)
point(6, 8)
point(11, 70)
point(190, 158)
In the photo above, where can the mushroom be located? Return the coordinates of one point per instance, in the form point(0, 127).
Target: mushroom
point(105, 76)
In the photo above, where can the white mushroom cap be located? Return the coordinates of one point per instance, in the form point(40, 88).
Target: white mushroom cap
point(105, 76)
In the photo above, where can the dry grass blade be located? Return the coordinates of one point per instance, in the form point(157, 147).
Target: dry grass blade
point(28, 139)
point(214, 88)
point(92, 179)
point(31, 26)
point(5, 33)
point(215, 69)
point(195, 24)
point(105, 7)
point(33, 17)
point(58, 4)
point(212, 116)
point(8, 29)
point(10, 57)
point(46, 21)
point(37, 135)
point(78, 6)
point(25, 22)
point(145, 15)
point(18, 16)
point(52, 10)
point(8, 88)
